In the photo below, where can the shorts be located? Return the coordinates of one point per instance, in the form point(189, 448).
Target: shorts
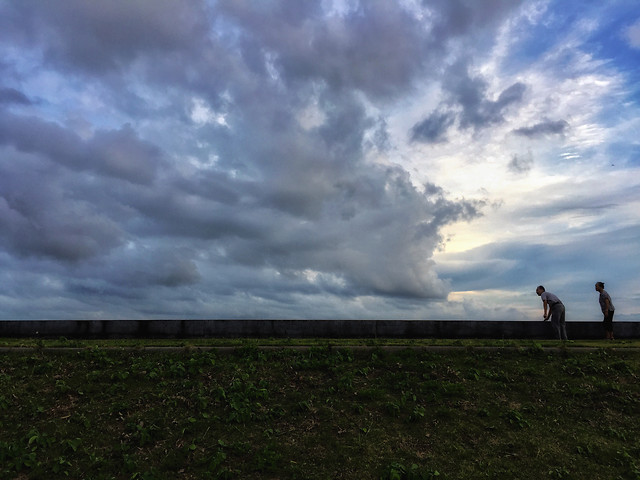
point(608, 321)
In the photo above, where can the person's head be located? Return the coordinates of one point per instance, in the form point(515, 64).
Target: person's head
point(599, 286)
point(540, 290)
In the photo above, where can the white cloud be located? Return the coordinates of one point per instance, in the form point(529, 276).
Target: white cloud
point(202, 114)
point(632, 35)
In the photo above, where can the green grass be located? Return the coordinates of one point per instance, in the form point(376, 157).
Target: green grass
point(313, 342)
point(329, 411)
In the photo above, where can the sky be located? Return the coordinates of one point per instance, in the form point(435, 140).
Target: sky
point(323, 159)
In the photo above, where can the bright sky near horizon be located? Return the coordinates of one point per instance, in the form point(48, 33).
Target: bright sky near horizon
point(318, 159)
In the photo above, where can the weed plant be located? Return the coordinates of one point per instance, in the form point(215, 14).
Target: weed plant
point(321, 413)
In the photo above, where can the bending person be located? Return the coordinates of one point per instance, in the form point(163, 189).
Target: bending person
point(554, 308)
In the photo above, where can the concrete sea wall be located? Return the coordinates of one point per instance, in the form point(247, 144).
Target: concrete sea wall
point(106, 329)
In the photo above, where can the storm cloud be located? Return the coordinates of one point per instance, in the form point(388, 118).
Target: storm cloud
point(233, 159)
point(433, 129)
point(543, 128)
point(468, 104)
point(11, 95)
point(139, 191)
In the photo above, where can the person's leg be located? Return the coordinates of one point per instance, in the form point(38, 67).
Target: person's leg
point(556, 329)
point(555, 320)
point(607, 326)
point(563, 325)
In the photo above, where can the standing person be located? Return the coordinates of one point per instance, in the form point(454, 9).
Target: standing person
point(606, 305)
point(554, 308)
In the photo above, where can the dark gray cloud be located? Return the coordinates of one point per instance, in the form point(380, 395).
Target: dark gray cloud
point(375, 48)
point(159, 212)
point(467, 103)
point(149, 266)
point(470, 94)
point(99, 38)
point(433, 129)
point(378, 216)
point(380, 138)
point(307, 213)
point(454, 18)
point(547, 127)
point(11, 95)
point(119, 153)
point(39, 217)
point(521, 163)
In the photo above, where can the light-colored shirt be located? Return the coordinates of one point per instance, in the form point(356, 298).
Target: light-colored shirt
point(550, 298)
point(603, 304)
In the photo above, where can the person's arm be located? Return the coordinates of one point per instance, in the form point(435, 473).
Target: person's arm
point(544, 314)
point(607, 305)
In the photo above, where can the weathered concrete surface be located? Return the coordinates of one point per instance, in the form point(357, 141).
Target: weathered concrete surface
point(306, 329)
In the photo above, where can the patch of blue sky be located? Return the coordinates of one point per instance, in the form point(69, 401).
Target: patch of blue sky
point(534, 40)
point(531, 45)
point(633, 94)
point(609, 41)
point(620, 115)
point(623, 154)
point(621, 106)
point(606, 41)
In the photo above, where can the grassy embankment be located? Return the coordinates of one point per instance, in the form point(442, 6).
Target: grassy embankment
point(330, 411)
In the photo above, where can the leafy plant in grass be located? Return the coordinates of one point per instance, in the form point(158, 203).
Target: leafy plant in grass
point(267, 459)
point(516, 418)
point(397, 471)
point(392, 409)
point(216, 467)
point(242, 399)
point(14, 457)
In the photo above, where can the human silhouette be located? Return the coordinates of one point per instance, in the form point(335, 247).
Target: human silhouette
point(554, 308)
point(606, 305)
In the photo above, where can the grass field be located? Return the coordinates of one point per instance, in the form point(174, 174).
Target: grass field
point(116, 410)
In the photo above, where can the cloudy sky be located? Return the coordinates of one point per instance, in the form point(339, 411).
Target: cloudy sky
point(404, 159)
